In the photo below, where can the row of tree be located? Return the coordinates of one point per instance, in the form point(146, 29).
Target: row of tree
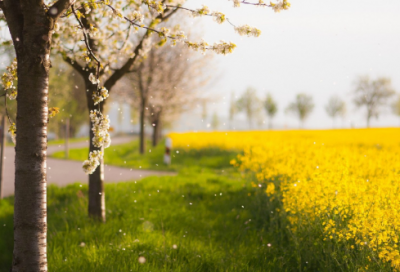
point(102, 41)
point(373, 95)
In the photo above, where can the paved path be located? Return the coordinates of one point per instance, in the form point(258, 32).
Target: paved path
point(63, 172)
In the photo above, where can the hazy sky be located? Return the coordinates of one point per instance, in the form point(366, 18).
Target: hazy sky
point(317, 47)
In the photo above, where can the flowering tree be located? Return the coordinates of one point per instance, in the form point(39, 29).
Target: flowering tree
point(93, 36)
point(164, 85)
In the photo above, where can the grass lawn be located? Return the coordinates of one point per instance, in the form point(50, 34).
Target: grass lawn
point(127, 155)
point(196, 221)
point(62, 141)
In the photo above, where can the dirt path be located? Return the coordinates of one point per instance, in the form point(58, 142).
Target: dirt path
point(63, 172)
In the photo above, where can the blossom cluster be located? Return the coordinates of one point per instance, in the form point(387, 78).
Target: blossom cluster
point(100, 127)
point(53, 111)
point(100, 95)
point(219, 17)
point(247, 30)
point(90, 165)
point(13, 132)
point(221, 47)
point(8, 79)
point(101, 139)
point(278, 7)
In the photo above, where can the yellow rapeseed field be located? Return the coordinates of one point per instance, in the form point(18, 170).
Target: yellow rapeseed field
point(344, 183)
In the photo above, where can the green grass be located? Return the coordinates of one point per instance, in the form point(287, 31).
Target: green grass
point(127, 155)
point(71, 140)
point(212, 220)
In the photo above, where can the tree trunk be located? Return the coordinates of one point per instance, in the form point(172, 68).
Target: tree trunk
point(66, 144)
point(97, 204)
point(2, 143)
point(368, 121)
point(155, 134)
point(30, 211)
point(141, 133)
point(159, 130)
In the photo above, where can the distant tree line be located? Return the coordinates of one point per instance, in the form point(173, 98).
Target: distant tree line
point(371, 95)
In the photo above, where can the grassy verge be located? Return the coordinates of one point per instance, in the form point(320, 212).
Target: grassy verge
point(192, 222)
point(62, 141)
point(127, 155)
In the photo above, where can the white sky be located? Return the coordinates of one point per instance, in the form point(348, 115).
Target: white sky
point(317, 47)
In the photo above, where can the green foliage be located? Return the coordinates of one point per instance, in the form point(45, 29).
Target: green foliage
point(302, 106)
point(66, 92)
point(250, 104)
point(270, 106)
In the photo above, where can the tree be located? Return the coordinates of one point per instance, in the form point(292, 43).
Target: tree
point(335, 107)
point(112, 60)
point(164, 85)
point(271, 108)
point(232, 109)
point(396, 106)
point(249, 103)
point(79, 31)
point(372, 94)
point(301, 107)
point(215, 121)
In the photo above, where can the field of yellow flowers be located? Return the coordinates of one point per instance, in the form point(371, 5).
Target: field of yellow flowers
point(337, 187)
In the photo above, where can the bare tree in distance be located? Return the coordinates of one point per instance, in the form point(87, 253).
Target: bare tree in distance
point(250, 104)
point(372, 94)
point(301, 107)
point(396, 106)
point(336, 107)
point(271, 108)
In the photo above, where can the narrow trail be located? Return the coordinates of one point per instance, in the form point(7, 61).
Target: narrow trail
point(64, 172)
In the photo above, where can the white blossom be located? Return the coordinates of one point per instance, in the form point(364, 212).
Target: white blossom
point(201, 12)
point(219, 17)
point(89, 166)
point(93, 79)
point(136, 16)
point(100, 95)
point(236, 3)
point(223, 47)
point(248, 30)
point(100, 127)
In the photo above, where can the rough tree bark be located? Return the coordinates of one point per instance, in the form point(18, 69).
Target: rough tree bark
point(30, 26)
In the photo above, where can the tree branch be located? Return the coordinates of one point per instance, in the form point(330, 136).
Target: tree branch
point(59, 7)
point(74, 65)
point(15, 20)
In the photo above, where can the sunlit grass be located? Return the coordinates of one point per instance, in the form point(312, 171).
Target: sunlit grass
point(192, 222)
point(127, 155)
